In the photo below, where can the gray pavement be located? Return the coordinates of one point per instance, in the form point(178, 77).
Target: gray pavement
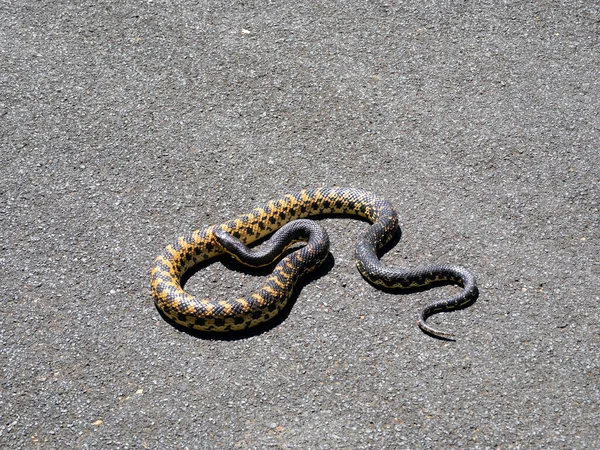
point(127, 124)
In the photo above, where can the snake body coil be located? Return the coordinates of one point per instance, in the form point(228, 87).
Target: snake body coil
point(234, 236)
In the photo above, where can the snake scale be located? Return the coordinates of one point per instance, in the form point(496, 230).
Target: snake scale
point(281, 218)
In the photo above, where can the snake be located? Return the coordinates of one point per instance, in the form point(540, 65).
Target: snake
point(286, 220)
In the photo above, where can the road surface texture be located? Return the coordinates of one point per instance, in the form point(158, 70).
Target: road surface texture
point(127, 124)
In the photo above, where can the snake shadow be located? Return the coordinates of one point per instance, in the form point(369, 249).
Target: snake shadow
point(231, 264)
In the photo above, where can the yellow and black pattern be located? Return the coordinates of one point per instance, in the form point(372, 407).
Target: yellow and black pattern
point(240, 313)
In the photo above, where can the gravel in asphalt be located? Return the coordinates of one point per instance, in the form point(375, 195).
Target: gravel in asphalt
point(127, 124)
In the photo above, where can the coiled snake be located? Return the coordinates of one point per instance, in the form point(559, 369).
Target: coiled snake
point(280, 216)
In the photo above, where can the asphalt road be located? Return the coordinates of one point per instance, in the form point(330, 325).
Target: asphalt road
point(127, 124)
